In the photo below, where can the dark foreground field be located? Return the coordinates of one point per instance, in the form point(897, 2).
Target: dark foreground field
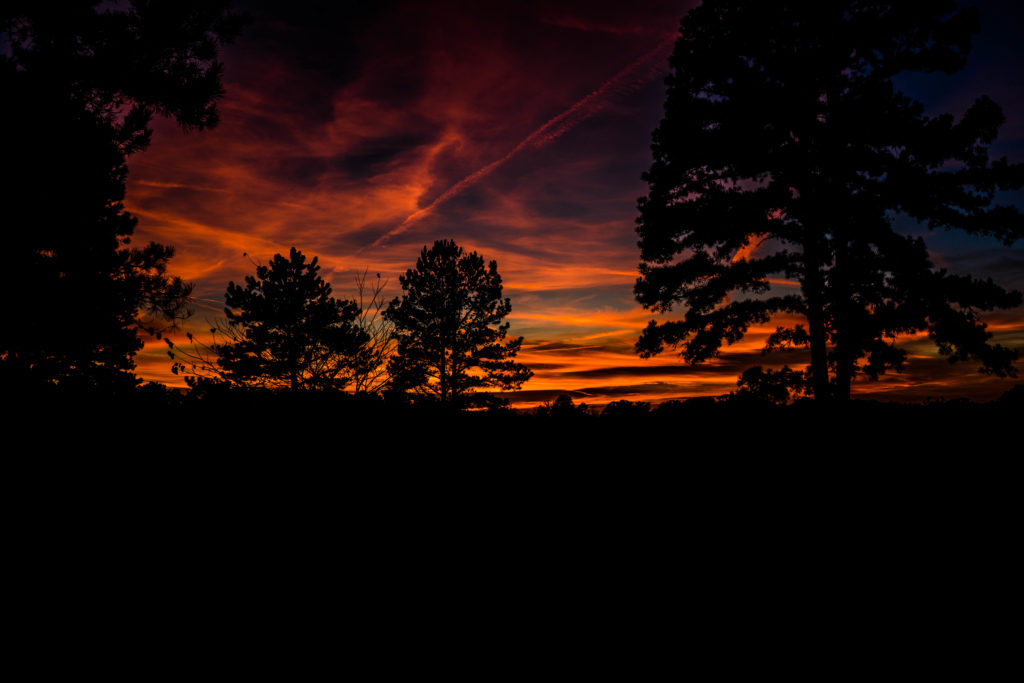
point(738, 507)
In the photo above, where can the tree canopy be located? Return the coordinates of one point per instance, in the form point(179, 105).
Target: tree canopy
point(286, 331)
point(81, 85)
point(448, 323)
point(786, 154)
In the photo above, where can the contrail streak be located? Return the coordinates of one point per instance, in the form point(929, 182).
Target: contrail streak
point(639, 71)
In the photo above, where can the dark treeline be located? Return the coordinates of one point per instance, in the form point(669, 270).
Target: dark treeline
point(258, 422)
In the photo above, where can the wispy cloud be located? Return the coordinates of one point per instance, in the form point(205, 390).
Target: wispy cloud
point(642, 69)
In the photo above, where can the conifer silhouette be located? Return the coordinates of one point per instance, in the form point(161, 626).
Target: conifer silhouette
point(287, 331)
point(783, 156)
point(451, 338)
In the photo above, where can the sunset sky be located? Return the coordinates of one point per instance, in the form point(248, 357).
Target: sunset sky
point(520, 130)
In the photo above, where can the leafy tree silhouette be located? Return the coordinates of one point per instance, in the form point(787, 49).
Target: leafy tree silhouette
point(287, 331)
point(449, 330)
point(80, 88)
point(784, 153)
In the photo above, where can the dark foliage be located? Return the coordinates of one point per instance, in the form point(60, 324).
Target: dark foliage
point(287, 331)
point(565, 409)
point(771, 386)
point(785, 153)
point(448, 323)
point(80, 87)
point(1013, 397)
point(626, 411)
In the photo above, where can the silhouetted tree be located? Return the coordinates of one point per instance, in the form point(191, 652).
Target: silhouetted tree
point(287, 331)
point(564, 409)
point(80, 86)
point(626, 411)
point(784, 153)
point(451, 340)
point(771, 386)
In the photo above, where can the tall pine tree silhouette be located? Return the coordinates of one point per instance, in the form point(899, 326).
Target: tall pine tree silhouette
point(785, 152)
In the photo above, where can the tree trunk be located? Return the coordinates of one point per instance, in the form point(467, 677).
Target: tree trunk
point(819, 351)
point(844, 367)
point(443, 376)
point(833, 158)
point(813, 290)
point(293, 363)
point(818, 215)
